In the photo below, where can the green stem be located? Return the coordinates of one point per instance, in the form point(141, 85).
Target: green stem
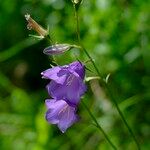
point(99, 74)
point(98, 126)
point(123, 118)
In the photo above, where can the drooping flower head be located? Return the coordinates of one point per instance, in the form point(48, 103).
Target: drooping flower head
point(67, 82)
point(60, 113)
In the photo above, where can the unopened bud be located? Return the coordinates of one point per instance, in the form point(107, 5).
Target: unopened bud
point(33, 25)
point(58, 49)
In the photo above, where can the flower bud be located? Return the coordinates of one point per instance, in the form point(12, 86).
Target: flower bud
point(35, 26)
point(57, 49)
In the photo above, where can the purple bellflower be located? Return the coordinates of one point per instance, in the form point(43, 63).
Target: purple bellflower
point(60, 113)
point(66, 82)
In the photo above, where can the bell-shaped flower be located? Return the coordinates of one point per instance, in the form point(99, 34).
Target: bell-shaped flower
point(60, 113)
point(67, 82)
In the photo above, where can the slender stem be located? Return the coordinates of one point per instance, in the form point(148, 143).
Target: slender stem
point(106, 86)
point(79, 40)
point(98, 126)
point(77, 23)
point(123, 118)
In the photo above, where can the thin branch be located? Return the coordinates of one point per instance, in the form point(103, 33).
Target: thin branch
point(104, 83)
point(98, 126)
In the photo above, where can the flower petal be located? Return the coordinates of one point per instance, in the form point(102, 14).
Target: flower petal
point(53, 110)
point(55, 74)
point(72, 93)
point(50, 73)
point(79, 68)
point(60, 113)
point(82, 88)
point(51, 117)
point(56, 90)
point(50, 103)
point(67, 118)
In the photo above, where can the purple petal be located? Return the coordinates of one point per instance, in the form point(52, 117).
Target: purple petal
point(82, 88)
point(54, 74)
point(50, 73)
point(59, 74)
point(53, 110)
point(49, 103)
point(79, 68)
point(70, 91)
point(73, 87)
point(51, 117)
point(52, 103)
point(60, 113)
point(56, 90)
point(68, 117)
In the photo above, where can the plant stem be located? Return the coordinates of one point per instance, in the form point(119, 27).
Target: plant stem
point(98, 126)
point(99, 74)
point(123, 118)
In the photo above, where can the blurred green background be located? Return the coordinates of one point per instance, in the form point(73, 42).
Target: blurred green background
point(116, 34)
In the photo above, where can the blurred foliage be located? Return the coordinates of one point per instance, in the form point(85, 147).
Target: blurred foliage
point(115, 32)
